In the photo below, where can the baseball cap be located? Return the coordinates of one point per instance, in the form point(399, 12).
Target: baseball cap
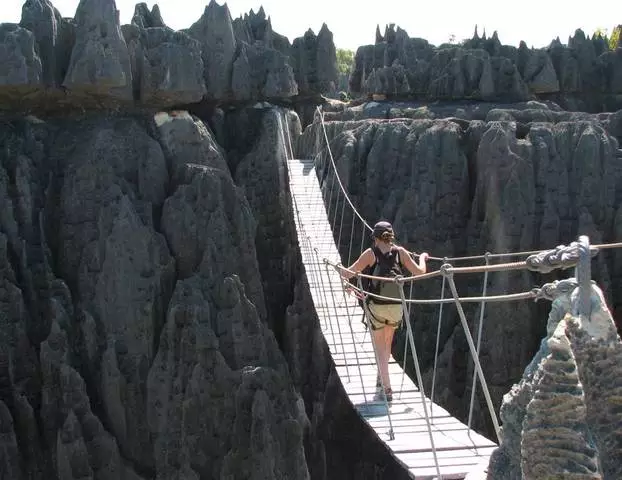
point(382, 227)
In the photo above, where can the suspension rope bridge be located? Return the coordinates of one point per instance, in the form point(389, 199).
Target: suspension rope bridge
point(423, 436)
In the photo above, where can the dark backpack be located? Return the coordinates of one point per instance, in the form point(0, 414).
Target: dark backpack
point(387, 265)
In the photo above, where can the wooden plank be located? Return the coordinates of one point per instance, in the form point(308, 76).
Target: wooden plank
point(458, 449)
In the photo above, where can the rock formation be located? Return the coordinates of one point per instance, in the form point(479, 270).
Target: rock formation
point(91, 61)
point(562, 418)
point(584, 75)
point(144, 285)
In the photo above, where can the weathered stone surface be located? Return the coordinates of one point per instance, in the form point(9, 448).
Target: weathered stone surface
point(261, 73)
point(315, 62)
point(132, 259)
point(54, 38)
point(390, 80)
point(220, 371)
point(144, 18)
point(115, 262)
point(598, 350)
point(539, 73)
point(9, 456)
point(167, 68)
point(581, 75)
point(205, 215)
point(21, 65)
point(100, 62)
point(89, 62)
point(558, 420)
point(262, 174)
point(254, 27)
point(186, 140)
point(83, 447)
point(214, 31)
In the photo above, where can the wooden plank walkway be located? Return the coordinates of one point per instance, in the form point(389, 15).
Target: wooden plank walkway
point(459, 451)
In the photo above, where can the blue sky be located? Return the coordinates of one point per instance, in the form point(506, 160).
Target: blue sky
point(353, 23)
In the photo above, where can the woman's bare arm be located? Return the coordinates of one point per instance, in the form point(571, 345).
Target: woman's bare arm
point(366, 259)
point(409, 263)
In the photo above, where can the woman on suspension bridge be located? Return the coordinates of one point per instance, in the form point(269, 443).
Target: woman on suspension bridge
point(383, 259)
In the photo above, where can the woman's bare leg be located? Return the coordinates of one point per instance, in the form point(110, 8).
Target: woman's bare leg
point(388, 336)
point(380, 340)
point(380, 343)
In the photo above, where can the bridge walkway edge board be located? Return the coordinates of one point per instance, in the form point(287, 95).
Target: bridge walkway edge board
point(459, 450)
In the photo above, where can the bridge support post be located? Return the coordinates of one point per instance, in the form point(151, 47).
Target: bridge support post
point(446, 270)
point(413, 348)
point(584, 278)
point(479, 341)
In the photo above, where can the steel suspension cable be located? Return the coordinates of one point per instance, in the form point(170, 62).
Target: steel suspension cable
point(343, 351)
point(410, 294)
point(533, 294)
point(479, 342)
point(478, 367)
point(406, 314)
point(438, 339)
point(332, 159)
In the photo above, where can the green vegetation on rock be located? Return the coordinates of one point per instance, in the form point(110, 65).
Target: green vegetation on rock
point(345, 61)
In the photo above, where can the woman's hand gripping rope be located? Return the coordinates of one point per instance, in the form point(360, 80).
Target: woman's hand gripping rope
point(347, 286)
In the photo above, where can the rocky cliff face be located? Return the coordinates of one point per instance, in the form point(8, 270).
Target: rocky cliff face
point(582, 75)
point(563, 417)
point(516, 180)
point(140, 281)
point(154, 319)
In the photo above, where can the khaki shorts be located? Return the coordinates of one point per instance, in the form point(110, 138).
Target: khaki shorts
point(385, 315)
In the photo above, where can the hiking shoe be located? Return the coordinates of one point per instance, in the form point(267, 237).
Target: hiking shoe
point(381, 396)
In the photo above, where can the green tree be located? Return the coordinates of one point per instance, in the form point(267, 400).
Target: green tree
point(345, 61)
point(615, 37)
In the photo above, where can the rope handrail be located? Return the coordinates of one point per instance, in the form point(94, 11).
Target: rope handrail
point(534, 294)
point(337, 176)
point(602, 246)
point(545, 261)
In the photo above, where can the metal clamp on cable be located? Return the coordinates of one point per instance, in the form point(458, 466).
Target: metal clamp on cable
point(539, 294)
point(447, 270)
point(584, 276)
point(553, 290)
point(561, 257)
